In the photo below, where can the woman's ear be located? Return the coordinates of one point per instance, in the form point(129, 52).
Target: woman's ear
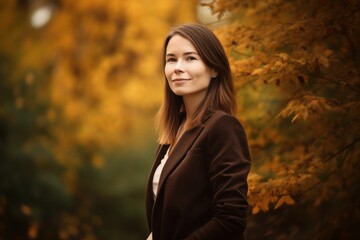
point(214, 74)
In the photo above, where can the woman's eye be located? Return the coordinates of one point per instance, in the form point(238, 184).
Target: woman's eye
point(190, 58)
point(171, 60)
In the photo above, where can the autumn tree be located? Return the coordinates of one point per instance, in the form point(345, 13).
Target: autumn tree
point(88, 82)
point(297, 73)
point(75, 93)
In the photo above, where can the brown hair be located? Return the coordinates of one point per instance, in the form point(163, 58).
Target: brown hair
point(220, 93)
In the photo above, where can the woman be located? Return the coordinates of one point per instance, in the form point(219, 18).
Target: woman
point(198, 184)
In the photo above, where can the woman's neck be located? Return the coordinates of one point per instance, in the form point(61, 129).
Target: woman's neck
point(191, 103)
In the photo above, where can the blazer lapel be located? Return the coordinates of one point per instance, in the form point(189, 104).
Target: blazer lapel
point(179, 152)
point(158, 157)
point(149, 188)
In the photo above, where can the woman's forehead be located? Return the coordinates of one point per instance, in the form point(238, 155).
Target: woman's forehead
point(179, 44)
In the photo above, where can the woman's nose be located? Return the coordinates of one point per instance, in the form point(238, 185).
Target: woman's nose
point(178, 67)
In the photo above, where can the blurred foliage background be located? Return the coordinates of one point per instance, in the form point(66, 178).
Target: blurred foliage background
point(81, 82)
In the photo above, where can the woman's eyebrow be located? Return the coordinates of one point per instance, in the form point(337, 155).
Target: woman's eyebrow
point(185, 54)
point(190, 53)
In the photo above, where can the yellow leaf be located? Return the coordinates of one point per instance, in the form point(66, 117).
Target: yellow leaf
point(255, 210)
point(279, 203)
point(305, 114)
point(294, 118)
point(324, 61)
point(289, 200)
point(284, 199)
point(283, 56)
point(327, 52)
point(257, 71)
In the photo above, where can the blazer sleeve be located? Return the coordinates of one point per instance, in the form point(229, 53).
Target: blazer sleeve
point(229, 165)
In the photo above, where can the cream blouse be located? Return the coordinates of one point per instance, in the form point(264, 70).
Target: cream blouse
point(157, 173)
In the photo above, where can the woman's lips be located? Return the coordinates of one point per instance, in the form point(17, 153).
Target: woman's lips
point(180, 80)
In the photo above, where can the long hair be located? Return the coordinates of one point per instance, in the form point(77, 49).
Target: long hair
point(219, 94)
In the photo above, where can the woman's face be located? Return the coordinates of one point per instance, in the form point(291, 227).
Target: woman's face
point(185, 71)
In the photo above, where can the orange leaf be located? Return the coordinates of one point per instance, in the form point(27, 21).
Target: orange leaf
point(284, 199)
point(289, 200)
point(255, 210)
point(257, 71)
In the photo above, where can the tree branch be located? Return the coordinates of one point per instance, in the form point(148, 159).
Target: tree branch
point(353, 52)
point(338, 165)
point(335, 82)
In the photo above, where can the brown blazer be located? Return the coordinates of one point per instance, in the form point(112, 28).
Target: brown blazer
point(202, 193)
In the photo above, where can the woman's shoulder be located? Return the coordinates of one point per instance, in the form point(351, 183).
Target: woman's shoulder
point(221, 122)
point(219, 116)
point(223, 127)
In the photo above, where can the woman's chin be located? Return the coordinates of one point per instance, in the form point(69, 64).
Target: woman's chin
point(179, 93)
